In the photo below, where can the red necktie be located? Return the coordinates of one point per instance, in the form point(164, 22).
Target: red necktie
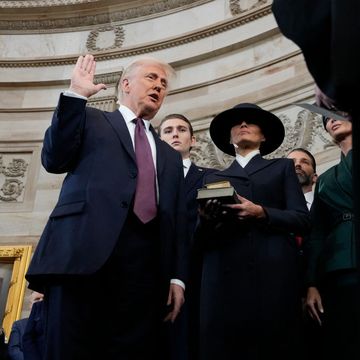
point(145, 196)
point(299, 240)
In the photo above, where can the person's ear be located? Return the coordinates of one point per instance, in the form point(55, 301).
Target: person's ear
point(193, 140)
point(125, 86)
point(314, 178)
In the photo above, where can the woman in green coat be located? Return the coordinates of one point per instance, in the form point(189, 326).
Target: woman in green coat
point(331, 274)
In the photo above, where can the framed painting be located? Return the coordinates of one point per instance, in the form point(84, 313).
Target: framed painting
point(14, 261)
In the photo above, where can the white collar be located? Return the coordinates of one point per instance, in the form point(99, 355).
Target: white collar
point(244, 160)
point(309, 197)
point(187, 163)
point(129, 116)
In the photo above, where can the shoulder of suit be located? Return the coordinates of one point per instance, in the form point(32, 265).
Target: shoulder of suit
point(93, 111)
point(327, 173)
point(274, 160)
point(203, 169)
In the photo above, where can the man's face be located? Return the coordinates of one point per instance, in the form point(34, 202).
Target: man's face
point(247, 135)
point(35, 297)
point(303, 167)
point(144, 90)
point(176, 132)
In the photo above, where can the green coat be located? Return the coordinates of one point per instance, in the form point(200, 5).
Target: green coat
point(331, 245)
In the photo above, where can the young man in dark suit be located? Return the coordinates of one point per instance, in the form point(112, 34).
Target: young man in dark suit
point(119, 227)
point(177, 131)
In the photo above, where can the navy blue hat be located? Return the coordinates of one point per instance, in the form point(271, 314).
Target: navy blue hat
point(270, 125)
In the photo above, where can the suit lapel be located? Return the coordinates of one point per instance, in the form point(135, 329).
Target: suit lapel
point(235, 170)
point(192, 177)
point(160, 158)
point(117, 122)
point(258, 163)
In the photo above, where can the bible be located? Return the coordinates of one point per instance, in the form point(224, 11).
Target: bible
point(220, 190)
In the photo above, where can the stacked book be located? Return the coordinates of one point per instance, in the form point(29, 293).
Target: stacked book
point(220, 190)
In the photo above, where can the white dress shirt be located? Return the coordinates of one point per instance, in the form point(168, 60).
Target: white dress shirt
point(309, 198)
point(129, 116)
point(186, 164)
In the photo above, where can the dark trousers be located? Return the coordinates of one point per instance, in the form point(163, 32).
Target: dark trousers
point(340, 325)
point(116, 313)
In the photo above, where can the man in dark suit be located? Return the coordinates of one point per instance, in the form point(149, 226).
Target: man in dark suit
point(17, 348)
point(119, 227)
point(305, 167)
point(250, 300)
point(177, 131)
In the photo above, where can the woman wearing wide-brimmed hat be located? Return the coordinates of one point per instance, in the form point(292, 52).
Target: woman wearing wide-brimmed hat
point(250, 299)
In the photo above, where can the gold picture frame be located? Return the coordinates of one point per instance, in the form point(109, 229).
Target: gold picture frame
point(14, 261)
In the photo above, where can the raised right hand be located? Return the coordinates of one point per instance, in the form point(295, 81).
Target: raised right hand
point(82, 78)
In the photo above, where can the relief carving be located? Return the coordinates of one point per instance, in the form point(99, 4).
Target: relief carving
point(306, 132)
point(16, 168)
point(92, 40)
point(206, 154)
point(239, 6)
point(41, 3)
point(12, 187)
point(43, 25)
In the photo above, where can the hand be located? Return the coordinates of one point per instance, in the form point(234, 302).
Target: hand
point(82, 78)
point(212, 210)
point(175, 300)
point(313, 303)
point(247, 209)
point(323, 100)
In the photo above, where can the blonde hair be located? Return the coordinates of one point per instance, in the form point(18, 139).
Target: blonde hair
point(134, 65)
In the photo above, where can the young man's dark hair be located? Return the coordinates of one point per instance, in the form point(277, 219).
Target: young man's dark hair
point(176, 116)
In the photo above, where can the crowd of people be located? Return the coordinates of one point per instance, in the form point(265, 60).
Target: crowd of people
point(128, 243)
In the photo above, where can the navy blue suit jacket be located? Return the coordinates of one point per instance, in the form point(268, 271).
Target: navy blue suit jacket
point(33, 339)
point(15, 346)
point(194, 181)
point(96, 151)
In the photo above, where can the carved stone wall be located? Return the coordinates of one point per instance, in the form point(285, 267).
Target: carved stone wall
point(18, 176)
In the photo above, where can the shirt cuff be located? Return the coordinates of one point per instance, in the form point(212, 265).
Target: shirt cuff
point(177, 282)
point(74, 95)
